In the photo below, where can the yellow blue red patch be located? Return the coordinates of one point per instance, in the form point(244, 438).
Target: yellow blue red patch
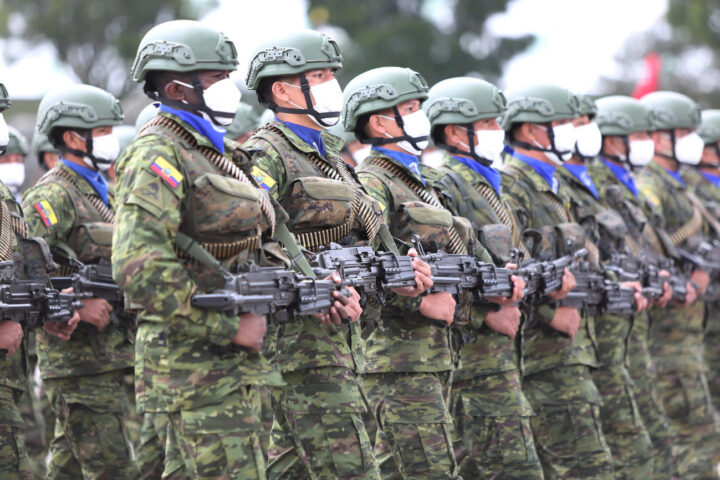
point(46, 213)
point(263, 180)
point(167, 172)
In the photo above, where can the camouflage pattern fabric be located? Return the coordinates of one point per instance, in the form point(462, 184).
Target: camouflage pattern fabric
point(676, 344)
point(14, 460)
point(90, 436)
point(156, 457)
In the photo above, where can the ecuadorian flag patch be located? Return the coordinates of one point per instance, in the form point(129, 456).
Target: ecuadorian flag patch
point(263, 179)
point(46, 213)
point(166, 171)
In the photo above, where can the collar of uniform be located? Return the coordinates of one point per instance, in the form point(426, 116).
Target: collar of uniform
point(411, 163)
point(579, 175)
point(619, 172)
point(713, 178)
point(309, 136)
point(541, 182)
point(665, 175)
point(82, 183)
point(201, 139)
point(474, 171)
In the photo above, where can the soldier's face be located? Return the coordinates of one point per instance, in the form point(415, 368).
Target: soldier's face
point(286, 92)
point(710, 154)
point(663, 139)
point(12, 158)
point(386, 119)
point(50, 159)
point(206, 79)
point(581, 120)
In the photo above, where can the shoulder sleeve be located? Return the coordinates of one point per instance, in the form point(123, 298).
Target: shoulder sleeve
point(651, 195)
point(268, 169)
point(379, 191)
point(49, 213)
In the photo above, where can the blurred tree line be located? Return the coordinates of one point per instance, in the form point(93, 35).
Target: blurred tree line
point(688, 42)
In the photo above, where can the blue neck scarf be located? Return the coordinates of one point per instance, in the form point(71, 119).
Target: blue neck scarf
point(713, 178)
point(93, 177)
point(493, 176)
point(545, 170)
point(308, 135)
point(676, 176)
point(622, 175)
point(203, 127)
point(508, 149)
point(410, 161)
point(581, 173)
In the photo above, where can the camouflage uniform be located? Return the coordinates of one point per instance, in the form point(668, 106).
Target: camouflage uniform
point(557, 381)
point(639, 362)
point(623, 427)
point(676, 339)
point(490, 412)
point(320, 413)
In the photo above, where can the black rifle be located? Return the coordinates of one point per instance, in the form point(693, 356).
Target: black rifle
point(266, 290)
point(647, 271)
point(95, 281)
point(596, 295)
point(544, 277)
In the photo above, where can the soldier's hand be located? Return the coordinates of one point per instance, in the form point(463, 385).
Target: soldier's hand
point(566, 320)
point(667, 290)
point(702, 279)
point(423, 278)
point(518, 287)
point(63, 330)
point(568, 283)
point(691, 295)
point(438, 306)
point(346, 309)
point(251, 331)
point(95, 311)
point(640, 301)
point(11, 335)
point(505, 321)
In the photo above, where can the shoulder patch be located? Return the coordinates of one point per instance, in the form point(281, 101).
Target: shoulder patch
point(46, 213)
point(263, 180)
point(167, 172)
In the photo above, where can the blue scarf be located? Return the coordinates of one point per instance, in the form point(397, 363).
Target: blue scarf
point(410, 161)
point(713, 178)
point(545, 170)
point(623, 175)
point(494, 177)
point(308, 135)
point(203, 127)
point(581, 173)
point(93, 177)
point(676, 176)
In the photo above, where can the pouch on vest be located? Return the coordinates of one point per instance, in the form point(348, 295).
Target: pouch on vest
point(497, 239)
point(318, 203)
point(431, 224)
point(570, 238)
point(612, 231)
point(92, 241)
point(36, 258)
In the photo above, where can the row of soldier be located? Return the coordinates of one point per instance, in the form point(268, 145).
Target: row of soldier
point(501, 389)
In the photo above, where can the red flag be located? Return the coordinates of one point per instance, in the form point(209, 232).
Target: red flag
point(650, 80)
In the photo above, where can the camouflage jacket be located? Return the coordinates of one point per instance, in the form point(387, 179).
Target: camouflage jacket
point(58, 208)
point(318, 194)
point(538, 208)
point(675, 332)
point(168, 183)
point(406, 341)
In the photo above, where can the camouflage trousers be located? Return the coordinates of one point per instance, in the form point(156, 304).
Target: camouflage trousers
point(492, 425)
point(414, 425)
point(266, 417)
point(622, 424)
point(568, 429)
point(14, 460)
point(133, 420)
point(154, 456)
point(90, 438)
point(39, 424)
point(686, 398)
point(217, 441)
point(712, 360)
point(317, 431)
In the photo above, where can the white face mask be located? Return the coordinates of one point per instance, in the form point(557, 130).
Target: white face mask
point(688, 149)
point(12, 174)
point(105, 149)
point(4, 134)
point(641, 152)
point(490, 144)
point(361, 154)
point(589, 140)
point(564, 143)
point(328, 98)
point(222, 96)
point(417, 125)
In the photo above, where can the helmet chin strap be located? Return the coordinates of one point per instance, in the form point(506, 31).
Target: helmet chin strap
point(405, 137)
point(198, 89)
point(88, 153)
point(310, 108)
point(551, 149)
point(618, 158)
point(672, 157)
point(471, 135)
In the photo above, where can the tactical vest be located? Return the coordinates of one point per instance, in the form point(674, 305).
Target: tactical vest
point(224, 211)
point(324, 198)
point(417, 210)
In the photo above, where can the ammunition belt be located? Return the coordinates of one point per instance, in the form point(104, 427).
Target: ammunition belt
point(103, 210)
point(501, 212)
point(224, 250)
point(690, 228)
point(7, 239)
point(456, 244)
point(19, 226)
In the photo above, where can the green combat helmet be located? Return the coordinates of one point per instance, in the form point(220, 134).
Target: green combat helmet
point(672, 110)
point(81, 107)
point(709, 129)
point(4, 105)
point(588, 142)
point(41, 145)
point(245, 121)
point(145, 115)
point(294, 54)
point(621, 116)
point(543, 104)
point(185, 46)
point(17, 142)
point(586, 105)
point(125, 134)
point(380, 89)
point(463, 101)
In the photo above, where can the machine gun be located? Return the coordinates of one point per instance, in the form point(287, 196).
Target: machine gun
point(595, 294)
point(647, 272)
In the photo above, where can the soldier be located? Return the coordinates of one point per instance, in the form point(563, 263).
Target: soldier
point(47, 156)
point(12, 163)
point(676, 334)
point(14, 461)
point(146, 114)
point(560, 350)
point(623, 428)
point(298, 162)
point(487, 399)
point(409, 356)
point(626, 147)
point(705, 183)
point(243, 124)
point(71, 208)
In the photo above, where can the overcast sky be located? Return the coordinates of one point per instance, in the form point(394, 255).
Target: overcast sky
point(577, 39)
